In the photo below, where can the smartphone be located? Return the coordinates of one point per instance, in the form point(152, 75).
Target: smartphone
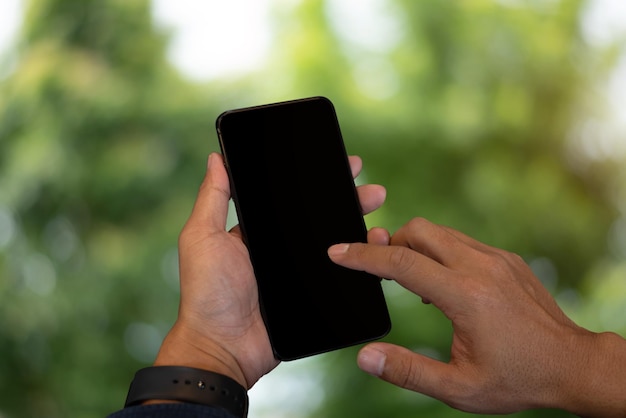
point(295, 197)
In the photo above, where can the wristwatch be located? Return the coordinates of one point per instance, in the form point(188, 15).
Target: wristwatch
point(186, 384)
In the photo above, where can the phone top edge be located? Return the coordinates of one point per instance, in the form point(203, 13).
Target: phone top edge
point(226, 113)
point(285, 102)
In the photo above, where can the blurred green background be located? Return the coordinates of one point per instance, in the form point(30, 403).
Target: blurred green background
point(493, 117)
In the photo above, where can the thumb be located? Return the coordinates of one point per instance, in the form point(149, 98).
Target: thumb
point(211, 207)
point(404, 368)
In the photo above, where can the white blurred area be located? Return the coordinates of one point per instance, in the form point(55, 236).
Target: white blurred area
point(10, 16)
point(213, 39)
point(603, 23)
point(10, 19)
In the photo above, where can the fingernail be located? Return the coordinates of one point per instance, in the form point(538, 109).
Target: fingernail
point(208, 163)
point(372, 361)
point(338, 249)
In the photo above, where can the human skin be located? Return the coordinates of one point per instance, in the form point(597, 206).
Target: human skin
point(219, 326)
point(513, 348)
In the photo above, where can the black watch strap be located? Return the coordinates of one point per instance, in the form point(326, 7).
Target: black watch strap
point(187, 384)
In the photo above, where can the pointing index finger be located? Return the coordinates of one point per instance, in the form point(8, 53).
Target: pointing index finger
point(412, 270)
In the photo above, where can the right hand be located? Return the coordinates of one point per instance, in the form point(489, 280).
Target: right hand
point(512, 348)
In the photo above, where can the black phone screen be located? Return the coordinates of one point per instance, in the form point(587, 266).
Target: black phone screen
point(295, 197)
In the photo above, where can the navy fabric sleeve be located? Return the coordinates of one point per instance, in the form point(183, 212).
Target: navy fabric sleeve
point(172, 410)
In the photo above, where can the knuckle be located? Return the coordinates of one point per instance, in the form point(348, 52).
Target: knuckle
point(418, 223)
point(494, 264)
point(407, 374)
point(506, 265)
point(413, 376)
point(515, 259)
point(401, 260)
point(211, 189)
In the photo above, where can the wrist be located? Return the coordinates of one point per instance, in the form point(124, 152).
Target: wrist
point(189, 385)
point(595, 384)
point(184, 347)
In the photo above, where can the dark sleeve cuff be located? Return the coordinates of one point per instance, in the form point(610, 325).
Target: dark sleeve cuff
point(172, 410)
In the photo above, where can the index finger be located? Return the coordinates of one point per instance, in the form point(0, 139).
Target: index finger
point(442, 244)
point(412, 270)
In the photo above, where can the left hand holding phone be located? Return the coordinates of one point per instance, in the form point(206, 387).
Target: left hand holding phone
point(219, 326)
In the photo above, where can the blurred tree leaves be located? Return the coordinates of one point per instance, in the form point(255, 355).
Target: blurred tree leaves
point(473, 132)
point(97, 131)
point(464, 110)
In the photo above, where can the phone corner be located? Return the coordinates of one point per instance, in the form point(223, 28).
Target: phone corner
point(324, 99)
point(386, 330)
point(220, 119)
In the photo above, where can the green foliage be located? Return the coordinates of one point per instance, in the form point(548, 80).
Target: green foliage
point(466, 116)
point(472, 133)
point(97, 131)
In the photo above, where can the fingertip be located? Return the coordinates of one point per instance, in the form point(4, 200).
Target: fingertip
point(356, 165)
point(213, 160)
point(378, 236)
point(372, 360)
point(337, 250)
point(211, 206)
point(371, 197)
point(383, 191)
point(216, 171)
